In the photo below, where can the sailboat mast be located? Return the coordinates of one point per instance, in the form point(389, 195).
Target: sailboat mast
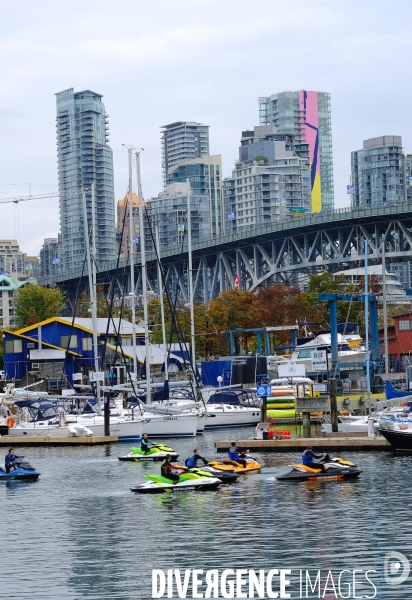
point(368, 383)
point(132, 287)
point(190, 279)
point(162, 308)
point(385, 308)
point(92, 290)
point(144, 281)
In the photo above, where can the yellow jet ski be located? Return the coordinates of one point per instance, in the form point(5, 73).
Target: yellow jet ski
point(236, 467)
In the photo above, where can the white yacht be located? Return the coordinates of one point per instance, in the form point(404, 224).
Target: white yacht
point(349, 352)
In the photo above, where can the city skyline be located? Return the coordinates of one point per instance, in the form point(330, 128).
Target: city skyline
point(214, 88)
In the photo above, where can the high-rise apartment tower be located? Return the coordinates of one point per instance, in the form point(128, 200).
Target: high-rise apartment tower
point(307, 116)
point(181, 141)
point(84, 157)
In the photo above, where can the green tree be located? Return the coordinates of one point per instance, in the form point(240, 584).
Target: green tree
point(36, 303)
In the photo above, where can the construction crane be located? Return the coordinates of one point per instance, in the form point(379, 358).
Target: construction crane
point(17, 199)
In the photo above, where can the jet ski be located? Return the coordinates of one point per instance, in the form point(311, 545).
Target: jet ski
point(336, 468)
point(233, 466)
point(24, 471)
point(187, 482)
point(157, 452)
point(208, 471)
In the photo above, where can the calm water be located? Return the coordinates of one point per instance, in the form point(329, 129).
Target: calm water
point(79, 533)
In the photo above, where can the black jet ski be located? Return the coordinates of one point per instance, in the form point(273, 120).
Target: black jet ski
point(335, 468)
point(207, 471)
point(24, 471)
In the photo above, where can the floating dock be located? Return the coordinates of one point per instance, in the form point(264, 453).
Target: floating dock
point(339, 443)
point(37, 440)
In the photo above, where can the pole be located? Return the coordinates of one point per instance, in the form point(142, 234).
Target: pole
point(131, 235)
point(94, 280)
point(106, 411)
point(189, 244)
point(368, 383)
point(91, 287)
point(333, 405)
point(162, 307)
point(144, 281)
point(263, 416)
point(385, 315)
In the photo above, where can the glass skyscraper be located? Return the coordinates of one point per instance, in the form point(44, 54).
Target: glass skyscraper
point(307, 116)
point(181, 141)
point(84, 157)
point(378, 171)
point(205, 176)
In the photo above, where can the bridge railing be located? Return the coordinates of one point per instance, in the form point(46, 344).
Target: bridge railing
point(287, 223)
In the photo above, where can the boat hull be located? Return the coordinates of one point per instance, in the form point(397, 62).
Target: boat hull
point(399, 440)
point(171, 426)
point(219, 418)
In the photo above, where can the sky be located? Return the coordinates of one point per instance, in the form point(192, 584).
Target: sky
point(196, 60)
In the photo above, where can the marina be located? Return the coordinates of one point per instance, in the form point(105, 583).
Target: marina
point(66, 532)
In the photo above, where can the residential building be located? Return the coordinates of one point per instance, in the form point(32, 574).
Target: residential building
point(306, 115)
point(394, 285)
point(15, 263)
point(123, 217)
point(181, 141)
point(205, 176)
point(49, 256)
point(268, 180)
point(9, 287)
point(168, 212)
point(84, 157)
point(378, 171)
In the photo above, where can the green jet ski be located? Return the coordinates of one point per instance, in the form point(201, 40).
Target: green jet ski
point(156, 452)
point(188, 482)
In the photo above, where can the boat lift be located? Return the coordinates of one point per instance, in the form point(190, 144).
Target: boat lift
point(258, 331)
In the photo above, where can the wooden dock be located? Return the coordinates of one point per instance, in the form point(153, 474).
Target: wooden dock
point(38, 440)
point(300, 444)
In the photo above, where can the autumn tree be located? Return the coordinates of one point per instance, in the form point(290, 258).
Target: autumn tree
point(36, 303)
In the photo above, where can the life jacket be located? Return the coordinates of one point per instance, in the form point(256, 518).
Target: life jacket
point(192, 462)
point(233, 454)
point(307, 458)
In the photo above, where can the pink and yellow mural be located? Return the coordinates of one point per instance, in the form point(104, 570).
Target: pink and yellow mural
point(308, 102)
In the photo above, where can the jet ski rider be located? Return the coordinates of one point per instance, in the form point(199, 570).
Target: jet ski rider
point(308, 459)
point(236, 455)
point(10, 460)
point(170, 471)
point(191, 462)
point(144, 443)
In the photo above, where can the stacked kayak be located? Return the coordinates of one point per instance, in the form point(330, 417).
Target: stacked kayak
point(187, 482)
point(281, 403)
point(157, 452)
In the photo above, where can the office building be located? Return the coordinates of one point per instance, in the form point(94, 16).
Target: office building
point(83, 157)
point(306, 115)
point(182, 141)
point(168, 212)
point(49, 256)
point(378, 171)
point(123, 217)
point(205, 176)
point(268, 181)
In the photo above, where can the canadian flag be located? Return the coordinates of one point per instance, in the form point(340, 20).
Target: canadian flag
point(237, 281)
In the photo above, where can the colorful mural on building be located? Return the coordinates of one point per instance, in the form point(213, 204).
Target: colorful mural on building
point(308, 102)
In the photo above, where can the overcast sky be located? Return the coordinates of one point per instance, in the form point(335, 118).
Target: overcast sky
point(206, 61)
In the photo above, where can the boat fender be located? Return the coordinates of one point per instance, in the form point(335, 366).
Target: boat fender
point(10, 422)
